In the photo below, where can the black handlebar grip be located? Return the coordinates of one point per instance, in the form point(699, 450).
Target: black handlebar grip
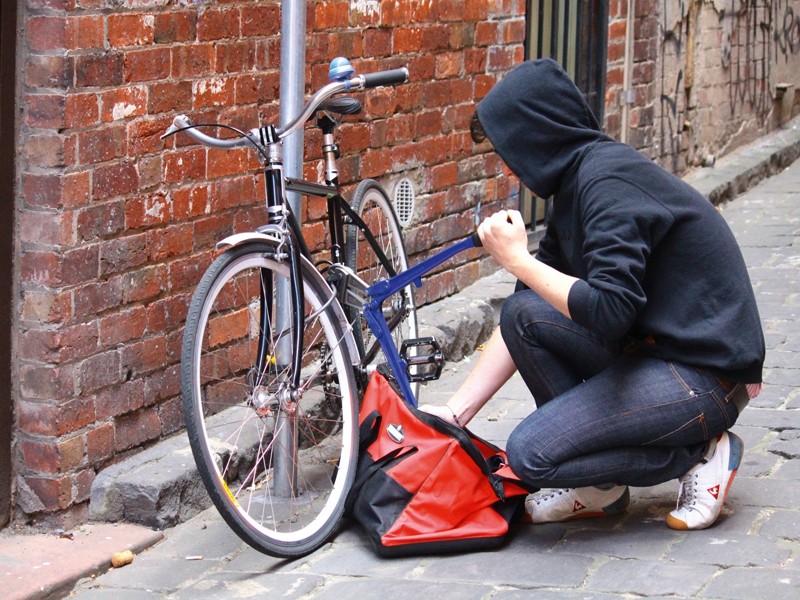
point(476, 239)
point(380, 78)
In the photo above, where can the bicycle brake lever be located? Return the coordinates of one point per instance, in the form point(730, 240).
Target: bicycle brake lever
point(178, 123)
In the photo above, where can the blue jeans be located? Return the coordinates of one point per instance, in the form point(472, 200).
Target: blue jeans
point(604, 416)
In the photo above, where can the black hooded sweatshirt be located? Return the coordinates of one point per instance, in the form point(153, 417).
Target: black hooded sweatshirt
point(658, 266)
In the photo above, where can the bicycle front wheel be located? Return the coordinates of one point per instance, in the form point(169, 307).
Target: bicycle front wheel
point(374, 262)
point(276, 458)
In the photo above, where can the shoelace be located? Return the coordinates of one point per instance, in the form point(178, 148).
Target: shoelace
point(686, 491)
point(552, 494)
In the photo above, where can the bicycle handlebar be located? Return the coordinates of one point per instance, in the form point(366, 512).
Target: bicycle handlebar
point(392, 77)
point(357, 82)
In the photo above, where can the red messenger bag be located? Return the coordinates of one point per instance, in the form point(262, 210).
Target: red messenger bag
point(426, 486)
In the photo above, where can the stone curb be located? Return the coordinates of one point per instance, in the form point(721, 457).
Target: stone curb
point(739, 171)
point(160, 486)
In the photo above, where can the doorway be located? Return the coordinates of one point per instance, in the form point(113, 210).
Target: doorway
point(8, 40)
point(574, 33)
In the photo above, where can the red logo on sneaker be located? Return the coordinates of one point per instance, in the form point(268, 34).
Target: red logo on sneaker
point(714, 491)
point(577, 506)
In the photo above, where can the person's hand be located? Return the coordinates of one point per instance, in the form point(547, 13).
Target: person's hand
point(443, 412)
point(504, 236)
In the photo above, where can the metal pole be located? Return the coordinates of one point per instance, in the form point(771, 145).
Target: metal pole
point(293, 69)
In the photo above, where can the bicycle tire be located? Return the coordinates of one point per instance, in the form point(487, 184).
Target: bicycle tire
point(372, 204)
point(235, 410)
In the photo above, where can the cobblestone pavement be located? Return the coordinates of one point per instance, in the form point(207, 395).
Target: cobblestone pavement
point(753, 551)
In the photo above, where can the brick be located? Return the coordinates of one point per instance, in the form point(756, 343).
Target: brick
point(144, 356)
point(45, 33)
point(119, 399)
point(44, 228)
point(100, 443)
point(45, 150)
point(97, 297)
point(331, 15)
point(81, 110)
point(131, 29)
point(150, 64)
point(47, 71)
point(46, 382)
point(54, 493)
point(514, 31)
point(196, 60)
point(443, 176)
point(146, 211)
point(58, 345)
point(144, 283)
point(170, 415)
point(501, 58)
point(117, 179)
point(167, 314)
point(217, 91)
point(189, 202)
point(173, 241)
point(123, 326)
point(169, 96)
point(39, 456)
point(68, 268)
point(185, 273)
point(53, 4)
point(218, 24)
point(261, 20)
point(46, 306)
point(348, 43)
point(123, 254)
point(123, 103)
point(257, 88)
point(100, 69)
point(81, 490)
point(209, 230)
point(222, 163)
point(376, 163)
point(54, 419)
point(85, 32)
point(174, 26)
point(144, 136)
point(449, 64)
point(378, 41)
point(235, 56)
point(102, 144)
point(408, 39)
point(100, 220)
point(137, 428)
point(99, 371)
point(380, 102)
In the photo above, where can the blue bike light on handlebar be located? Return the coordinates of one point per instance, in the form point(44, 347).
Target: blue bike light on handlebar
point(340, 69)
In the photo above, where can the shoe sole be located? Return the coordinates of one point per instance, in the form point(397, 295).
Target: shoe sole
point(617, 507)
point(736, 449)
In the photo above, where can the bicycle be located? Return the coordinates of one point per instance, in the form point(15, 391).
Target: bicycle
point(277, 350)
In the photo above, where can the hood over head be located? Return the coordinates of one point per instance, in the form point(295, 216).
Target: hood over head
point(539, 123)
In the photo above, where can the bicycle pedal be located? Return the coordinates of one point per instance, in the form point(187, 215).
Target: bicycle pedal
point(426, 360)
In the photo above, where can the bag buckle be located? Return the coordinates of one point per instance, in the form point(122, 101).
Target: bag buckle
point(423, 357)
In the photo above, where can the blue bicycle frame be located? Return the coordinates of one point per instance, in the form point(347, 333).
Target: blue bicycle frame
point(380, 291)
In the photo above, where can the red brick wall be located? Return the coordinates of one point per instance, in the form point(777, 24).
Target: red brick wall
point(115, 227)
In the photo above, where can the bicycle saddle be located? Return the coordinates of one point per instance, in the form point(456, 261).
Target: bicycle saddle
point(342, 105)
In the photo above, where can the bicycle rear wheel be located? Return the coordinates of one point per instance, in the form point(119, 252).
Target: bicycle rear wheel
point(372, 204)
point(277, 460)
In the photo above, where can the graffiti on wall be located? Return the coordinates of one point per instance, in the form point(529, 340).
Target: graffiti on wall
point(756, 34)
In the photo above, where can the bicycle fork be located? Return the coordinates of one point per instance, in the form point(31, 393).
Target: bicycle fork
point(290, 317)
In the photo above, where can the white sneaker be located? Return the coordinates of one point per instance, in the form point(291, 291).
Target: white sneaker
point(576, 503)
point(704, 488)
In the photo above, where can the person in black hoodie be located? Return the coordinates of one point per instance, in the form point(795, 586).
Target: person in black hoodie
point(635, 325)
